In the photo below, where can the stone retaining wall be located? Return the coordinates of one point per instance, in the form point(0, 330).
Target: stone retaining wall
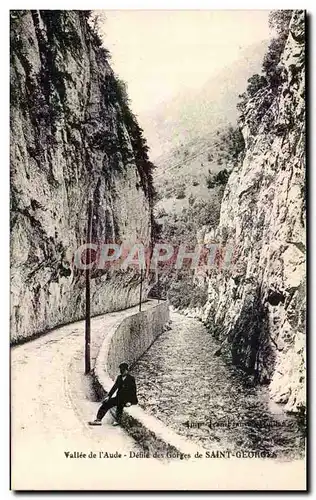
point(128, 342)
point(135, 335)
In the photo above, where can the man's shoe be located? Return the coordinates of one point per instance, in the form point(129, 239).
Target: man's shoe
point(95, 422)
point(115, 423)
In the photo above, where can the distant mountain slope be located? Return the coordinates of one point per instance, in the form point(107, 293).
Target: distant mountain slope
point(184, 171)
point(194, 114)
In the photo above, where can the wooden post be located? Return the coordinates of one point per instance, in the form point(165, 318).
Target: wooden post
point(141, 289)
point(88, 309)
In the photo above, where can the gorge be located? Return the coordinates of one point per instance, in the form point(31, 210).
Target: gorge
point(74, 139)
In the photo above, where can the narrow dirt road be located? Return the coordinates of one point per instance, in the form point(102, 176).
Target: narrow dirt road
point(182, 381)
point(51, 404)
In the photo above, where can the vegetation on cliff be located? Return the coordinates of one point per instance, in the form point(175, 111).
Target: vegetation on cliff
point(186, 209)
point(265, 86)
point(257, 307)
point(74, 137)
point(46, 99)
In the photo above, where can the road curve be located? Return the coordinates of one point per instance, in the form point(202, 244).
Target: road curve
point(51, 403)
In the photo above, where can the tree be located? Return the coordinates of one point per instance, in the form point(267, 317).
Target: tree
point(279, 20)
point(219, 179)
point(97, 19)
point(180, 193)
point(204, 212)
point(235, 143)
point(255, 83)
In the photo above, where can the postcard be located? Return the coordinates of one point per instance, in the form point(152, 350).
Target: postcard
point(158, 250)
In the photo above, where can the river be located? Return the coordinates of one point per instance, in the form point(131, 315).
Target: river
point(181, 382)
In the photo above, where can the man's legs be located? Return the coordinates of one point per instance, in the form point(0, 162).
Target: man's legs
point(119, 411)
point(104, 408)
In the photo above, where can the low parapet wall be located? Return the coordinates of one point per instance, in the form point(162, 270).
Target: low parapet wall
point(127, 342)
point(135, 335)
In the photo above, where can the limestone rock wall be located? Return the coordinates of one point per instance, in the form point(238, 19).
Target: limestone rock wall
point(135, 335)
point(256, 306)
point(73, 138)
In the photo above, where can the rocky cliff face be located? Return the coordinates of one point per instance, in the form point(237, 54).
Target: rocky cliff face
point(257, 304)
point(73, 138)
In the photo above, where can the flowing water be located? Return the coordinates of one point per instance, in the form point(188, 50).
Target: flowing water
point(182, 382)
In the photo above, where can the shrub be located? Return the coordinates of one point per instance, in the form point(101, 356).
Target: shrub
point(205, 212)
point(210, 156)
point(161, 212)
point(234, 142)
point(279, 20)
point(255, 83)
point(168, 192)
point(180, 193)
point(191, 199)
point(184, 293)
point(210, 181)
point(219, 179)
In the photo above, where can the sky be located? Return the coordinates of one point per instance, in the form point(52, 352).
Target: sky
point(160, 53)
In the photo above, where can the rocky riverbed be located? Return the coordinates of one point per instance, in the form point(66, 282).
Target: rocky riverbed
point(183, 383)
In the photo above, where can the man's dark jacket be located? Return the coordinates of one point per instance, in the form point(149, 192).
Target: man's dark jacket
point(126, 390)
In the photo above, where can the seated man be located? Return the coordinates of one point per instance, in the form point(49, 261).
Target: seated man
point(126, 396)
